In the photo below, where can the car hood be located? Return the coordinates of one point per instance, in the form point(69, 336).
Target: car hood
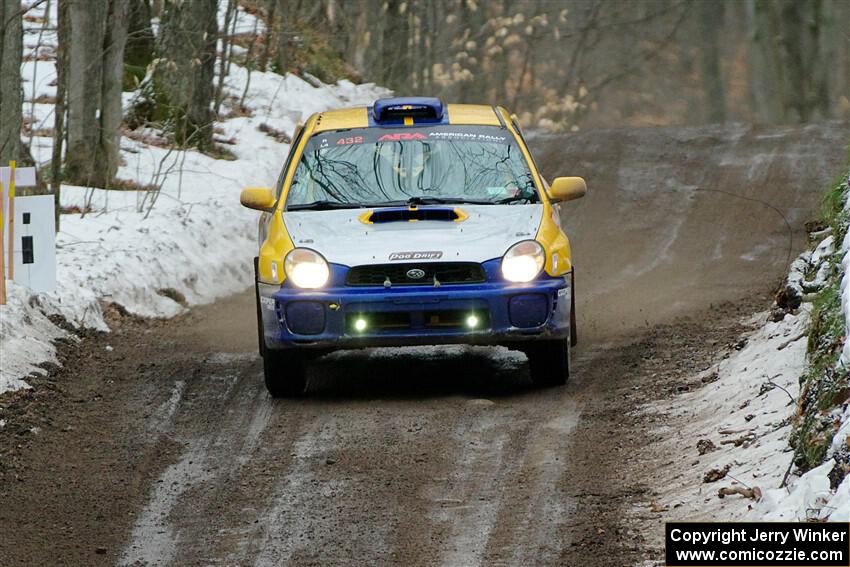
point(342, 238)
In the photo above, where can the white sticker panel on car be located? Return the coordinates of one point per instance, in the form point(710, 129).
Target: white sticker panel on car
point(342, 238)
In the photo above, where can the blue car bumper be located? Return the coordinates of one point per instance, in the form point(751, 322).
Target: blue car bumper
point(342, 317)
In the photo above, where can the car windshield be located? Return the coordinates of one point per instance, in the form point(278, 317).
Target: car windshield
point(426, 165)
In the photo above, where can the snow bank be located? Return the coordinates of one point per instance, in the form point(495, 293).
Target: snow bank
point(845, 285)
point(741, 420)
point(810, 495)
point(193, 246)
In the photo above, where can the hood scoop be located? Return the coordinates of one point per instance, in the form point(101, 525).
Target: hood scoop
point(410, 214)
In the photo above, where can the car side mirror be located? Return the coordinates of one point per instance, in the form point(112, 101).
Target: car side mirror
point(260, 198)
point(566, 189)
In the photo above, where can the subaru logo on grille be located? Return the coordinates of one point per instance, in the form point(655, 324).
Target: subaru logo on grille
point(415, 274)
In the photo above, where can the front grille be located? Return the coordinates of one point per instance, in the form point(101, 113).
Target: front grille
point(445, 273)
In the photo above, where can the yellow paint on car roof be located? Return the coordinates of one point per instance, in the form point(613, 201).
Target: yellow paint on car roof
point(472, 114)
point(358, 117)
point(342, 119)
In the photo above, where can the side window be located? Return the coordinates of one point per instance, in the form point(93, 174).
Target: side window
point(515, 124)
point(299, 132)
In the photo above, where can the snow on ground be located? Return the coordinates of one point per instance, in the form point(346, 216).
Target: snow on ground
point(737, 427)
point(748, 399)
point(196, 240)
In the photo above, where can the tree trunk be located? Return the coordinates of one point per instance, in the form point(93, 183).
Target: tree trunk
point(98, 32)
point(112, 86)
point(186, 68)
point(282, 33)
point(87, 20)
point(710, 26)
point(821, 53)
point(139, 49)
point(795, 103)
point(11, 95)
point(270, 38)
point(359, 38)
point(840, 44)
point(229, 15)
point(60, 110)
point(765, 69)
point(395, 50)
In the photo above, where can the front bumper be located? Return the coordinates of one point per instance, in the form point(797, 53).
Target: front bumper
point(416, 315)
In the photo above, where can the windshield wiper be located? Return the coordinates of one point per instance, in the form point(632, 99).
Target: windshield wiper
point(447, 201)
point(514, 199)
point(323, 206)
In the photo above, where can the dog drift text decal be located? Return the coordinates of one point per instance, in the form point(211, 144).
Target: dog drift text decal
point(415, 256)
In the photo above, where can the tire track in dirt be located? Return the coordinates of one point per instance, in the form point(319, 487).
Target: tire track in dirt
point(155, 539)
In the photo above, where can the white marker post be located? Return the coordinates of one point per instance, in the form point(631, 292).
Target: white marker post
point(35, 243)
point(10, 177)
point(12, 220)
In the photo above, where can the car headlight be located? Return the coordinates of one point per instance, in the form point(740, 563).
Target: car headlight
point(306, 268)
point(523, 261)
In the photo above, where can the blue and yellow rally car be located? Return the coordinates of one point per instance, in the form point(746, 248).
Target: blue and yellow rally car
point(412, 222)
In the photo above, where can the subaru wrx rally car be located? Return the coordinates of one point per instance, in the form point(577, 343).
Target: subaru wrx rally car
point(412, 222)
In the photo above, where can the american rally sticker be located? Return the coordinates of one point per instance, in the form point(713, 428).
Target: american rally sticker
point(442, 133)
point(431, 255)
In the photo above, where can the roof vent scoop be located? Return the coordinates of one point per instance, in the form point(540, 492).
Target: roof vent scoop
point(394, 110)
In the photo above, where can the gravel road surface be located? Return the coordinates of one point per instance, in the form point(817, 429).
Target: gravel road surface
point(158, 445)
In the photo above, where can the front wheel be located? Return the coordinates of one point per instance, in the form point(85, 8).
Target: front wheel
point(549, 362)
point(285, 373)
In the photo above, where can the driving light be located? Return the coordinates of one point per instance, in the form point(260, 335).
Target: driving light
point(523, 261)
point(360, 325)
point(472, 321)
point(306, 268)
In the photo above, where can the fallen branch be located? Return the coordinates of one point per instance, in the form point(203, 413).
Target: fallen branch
point(752, 493)
point(775, 385)
point(788, 471)
point(744, 440)
point(793, 339)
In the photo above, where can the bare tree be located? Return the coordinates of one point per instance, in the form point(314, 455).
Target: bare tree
point(139, 51)
point(270, 35)
point(224, 59)
point(710, 25)
point(111, 114)
point(60, 109)
point(789, 76)
point(98, 32)
point(11, 95)
point(186, 50)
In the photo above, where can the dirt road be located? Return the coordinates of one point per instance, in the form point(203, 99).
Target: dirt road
point(157, 444)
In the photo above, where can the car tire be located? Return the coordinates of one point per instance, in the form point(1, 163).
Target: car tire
point(285, 373)
point(549, 362)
